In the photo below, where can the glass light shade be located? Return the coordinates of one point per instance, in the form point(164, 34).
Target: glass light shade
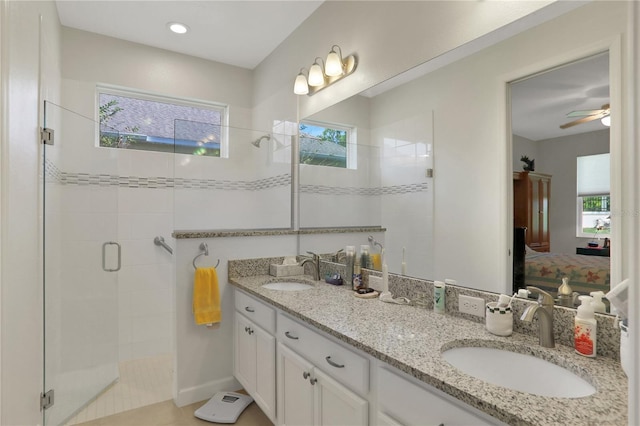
point(300, 87)
point(334, 66)
point(316, 76)
point(606, 120)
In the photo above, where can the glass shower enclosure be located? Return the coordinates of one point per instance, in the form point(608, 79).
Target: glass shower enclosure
point(81, 259)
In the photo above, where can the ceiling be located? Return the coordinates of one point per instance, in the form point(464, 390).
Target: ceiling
point(240, 33)
point(243, 33)
point(539, 104)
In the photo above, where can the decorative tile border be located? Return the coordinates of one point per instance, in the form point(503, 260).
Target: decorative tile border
point(385, 190)
point(54, 175)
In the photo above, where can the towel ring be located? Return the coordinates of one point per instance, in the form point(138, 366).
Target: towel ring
point(204, 251)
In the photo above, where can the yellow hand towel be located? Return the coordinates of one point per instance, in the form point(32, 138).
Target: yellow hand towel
point(206, 296)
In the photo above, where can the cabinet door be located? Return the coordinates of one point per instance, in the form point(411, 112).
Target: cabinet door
point(265, 367)
point(245, 354)
point(335, 405)
point(295, 392)
point(540, 193)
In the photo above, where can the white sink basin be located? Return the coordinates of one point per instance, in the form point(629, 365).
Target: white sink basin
point(287, 286)
point(520, 372)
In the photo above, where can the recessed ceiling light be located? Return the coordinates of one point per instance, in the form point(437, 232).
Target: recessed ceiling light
point(177, 27)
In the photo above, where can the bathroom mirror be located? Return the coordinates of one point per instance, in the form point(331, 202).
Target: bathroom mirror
point(376, 174)
point(561, 178)
point(465, 231)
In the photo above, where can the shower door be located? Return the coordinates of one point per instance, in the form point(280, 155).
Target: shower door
point(81, 258)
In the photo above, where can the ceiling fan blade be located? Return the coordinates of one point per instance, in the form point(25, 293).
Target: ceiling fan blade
point(581, 113)
point(584, 112)
point(584, 120)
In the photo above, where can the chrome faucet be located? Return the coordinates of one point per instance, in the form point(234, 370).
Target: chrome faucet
point(544, 308)
point(316, 264)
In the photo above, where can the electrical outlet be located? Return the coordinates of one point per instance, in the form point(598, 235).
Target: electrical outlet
point(471, 305)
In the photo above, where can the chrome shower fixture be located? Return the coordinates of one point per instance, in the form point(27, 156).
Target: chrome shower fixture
point(256, 143)
point(375, 243)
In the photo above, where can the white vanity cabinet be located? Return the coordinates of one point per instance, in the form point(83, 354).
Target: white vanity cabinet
point(404, 401)
point(255, 351)
point(319, 380)
point(307, 396)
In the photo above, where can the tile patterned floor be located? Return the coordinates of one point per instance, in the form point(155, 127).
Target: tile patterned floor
point(143, 382)
point(167, 414)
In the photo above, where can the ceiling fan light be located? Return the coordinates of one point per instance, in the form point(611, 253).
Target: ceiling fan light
point(300, 86)
point(334, 65)
point(606, 120)
point(316, 75)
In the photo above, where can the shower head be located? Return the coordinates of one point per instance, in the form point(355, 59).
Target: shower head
point(256, 143)
point(374, 242)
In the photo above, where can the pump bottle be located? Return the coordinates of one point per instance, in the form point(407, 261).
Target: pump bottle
point(585, 328)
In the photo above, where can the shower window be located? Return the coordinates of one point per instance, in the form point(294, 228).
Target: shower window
point(323, 144)
point(134, 120)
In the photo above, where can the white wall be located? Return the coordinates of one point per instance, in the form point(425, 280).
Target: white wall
point(21, 300)
point(385, 47)
point(204, 356)
point(557, 157)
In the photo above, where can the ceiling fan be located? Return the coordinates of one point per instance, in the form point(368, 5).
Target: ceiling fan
point(587, 115)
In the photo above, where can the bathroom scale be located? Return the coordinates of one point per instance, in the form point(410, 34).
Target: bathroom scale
point(224, 407)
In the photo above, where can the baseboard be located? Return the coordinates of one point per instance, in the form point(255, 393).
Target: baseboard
point(205, 391)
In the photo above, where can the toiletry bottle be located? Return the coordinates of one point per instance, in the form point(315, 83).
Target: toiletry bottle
point(438, 296)
point(365, 258)
point(350, 260)
point(357, 275)
point(584, 331)
point(565, 294)
point(598, 304)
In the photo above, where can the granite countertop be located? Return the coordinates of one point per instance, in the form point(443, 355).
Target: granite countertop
point(412, 339)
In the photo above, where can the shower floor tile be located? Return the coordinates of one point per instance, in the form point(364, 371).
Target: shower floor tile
point(142, 382)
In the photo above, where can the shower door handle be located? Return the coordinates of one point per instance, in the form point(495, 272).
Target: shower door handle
point(104, 256)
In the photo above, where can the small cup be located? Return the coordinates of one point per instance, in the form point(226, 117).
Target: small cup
point(499, 321)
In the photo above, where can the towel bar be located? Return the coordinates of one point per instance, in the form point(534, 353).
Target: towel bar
point(204, 251)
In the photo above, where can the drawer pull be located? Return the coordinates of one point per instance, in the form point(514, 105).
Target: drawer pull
point(333, 364)
point(313, 381)
point(305, 375)
point(290, 336)
point(246, 329)
point(248, 309)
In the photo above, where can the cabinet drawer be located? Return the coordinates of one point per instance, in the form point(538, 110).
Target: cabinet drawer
point(412, 404)
point(345, 366)
point(258, 312)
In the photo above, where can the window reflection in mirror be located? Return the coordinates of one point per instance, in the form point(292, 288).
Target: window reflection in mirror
point(560, 148)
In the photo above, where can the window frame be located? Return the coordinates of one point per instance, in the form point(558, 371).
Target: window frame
point(221, 108)
point(351, 148)
point(600, 191)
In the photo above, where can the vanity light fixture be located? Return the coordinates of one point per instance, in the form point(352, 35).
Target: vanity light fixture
point(316, 75)
point(334, 65)
point(323, 74)
point(301, 87)
point(177, 27)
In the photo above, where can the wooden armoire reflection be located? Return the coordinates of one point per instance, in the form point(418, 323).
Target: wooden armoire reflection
point(531, 197)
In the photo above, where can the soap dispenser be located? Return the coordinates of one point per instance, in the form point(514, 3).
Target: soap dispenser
point(585, 328)
point(565, 294)
point(598, 304)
